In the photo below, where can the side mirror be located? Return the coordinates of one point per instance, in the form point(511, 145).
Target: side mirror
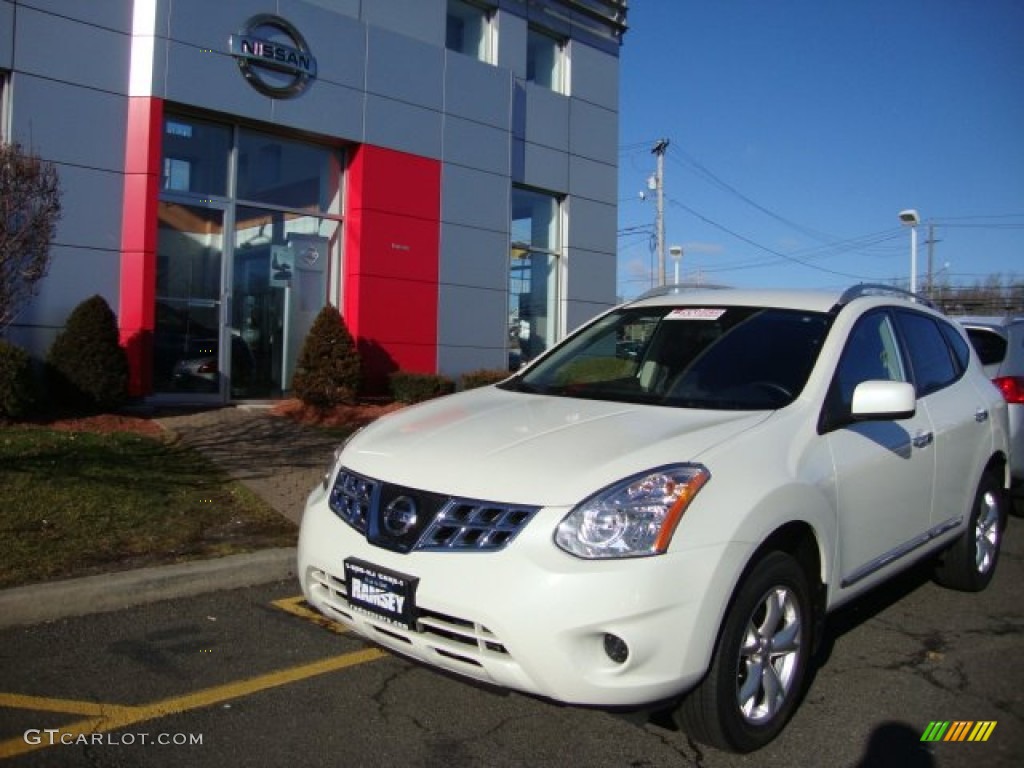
point(883, 400)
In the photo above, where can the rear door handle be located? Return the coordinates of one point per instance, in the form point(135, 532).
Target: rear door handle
point(981, 415)
point(923, 439)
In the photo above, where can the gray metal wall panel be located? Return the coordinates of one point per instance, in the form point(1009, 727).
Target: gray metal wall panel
point(6, 34)
point(211, 81)
point(344, 7)
point(471, 317)
point(115, 14)
point(547, 117)
point(475, 199)
point(421, 19)
point(477, 91)
point(544, 168)
point(476, 146)
point(337, 42)
point(593, 180)
point(595, 76)
point(404, 69)
point(401, 126)
point(326, 108)
point(92, 205)
point(40, 120)
point(209, 25)
point(593, 131)
point(474, 257)
point(75, 275)
point(96, 59)
point(455, 361)
point(591, 280)
point(512, 43)
point(592, 225)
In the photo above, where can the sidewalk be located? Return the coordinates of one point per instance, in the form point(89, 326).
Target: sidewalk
point(278, 459)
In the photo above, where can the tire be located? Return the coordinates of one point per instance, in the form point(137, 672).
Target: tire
point(970, 562)
point(760, 662)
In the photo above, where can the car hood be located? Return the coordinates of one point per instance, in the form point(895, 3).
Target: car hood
point(499, 445)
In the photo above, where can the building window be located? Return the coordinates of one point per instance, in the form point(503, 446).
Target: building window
point(5, 111)
point(470, 30)
point(545, 60)
point(534, 266)
point(196, 156)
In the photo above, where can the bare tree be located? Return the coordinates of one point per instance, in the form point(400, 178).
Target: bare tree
point(29, 210)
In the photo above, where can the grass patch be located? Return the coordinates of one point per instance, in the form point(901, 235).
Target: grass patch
point(76, 503)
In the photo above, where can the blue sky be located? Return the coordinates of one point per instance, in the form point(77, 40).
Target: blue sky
point(799, 129)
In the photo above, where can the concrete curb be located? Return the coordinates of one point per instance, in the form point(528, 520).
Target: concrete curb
point(113, 591)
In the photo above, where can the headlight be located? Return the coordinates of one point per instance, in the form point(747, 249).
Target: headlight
point(331, 465)
point(633, 518)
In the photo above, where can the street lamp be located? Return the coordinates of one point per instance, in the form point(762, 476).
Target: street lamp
point(676, 252)
point(909, 218)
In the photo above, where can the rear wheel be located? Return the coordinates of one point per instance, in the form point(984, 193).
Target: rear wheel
point(760, 663)
point(970, 562)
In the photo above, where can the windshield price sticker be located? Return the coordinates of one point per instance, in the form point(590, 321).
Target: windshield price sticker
point(694, 313)
point(381, 593)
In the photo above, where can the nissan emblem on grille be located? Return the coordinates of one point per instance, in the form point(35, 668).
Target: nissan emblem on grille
point(400, 516)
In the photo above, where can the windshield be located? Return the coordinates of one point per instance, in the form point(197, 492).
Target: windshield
point(720, 358)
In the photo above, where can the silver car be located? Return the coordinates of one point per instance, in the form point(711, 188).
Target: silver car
point(999, 342)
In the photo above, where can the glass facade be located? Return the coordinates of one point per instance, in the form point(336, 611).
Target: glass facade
point(534, 266)
point(249, 252)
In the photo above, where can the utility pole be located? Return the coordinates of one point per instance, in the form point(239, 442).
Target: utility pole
point(931, 260)
point(659, 180)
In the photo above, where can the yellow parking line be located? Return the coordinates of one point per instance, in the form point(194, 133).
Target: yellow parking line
point(297, 606)
point(110, 717)
point(46, 704)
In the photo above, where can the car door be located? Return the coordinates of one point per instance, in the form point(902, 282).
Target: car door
point(884, 470)
point(958, 413)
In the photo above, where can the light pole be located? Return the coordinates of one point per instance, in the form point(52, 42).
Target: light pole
point(676, 252)
point(909, 218)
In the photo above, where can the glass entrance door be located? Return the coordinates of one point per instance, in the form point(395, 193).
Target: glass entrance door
point(187, 350)
point(279, 281)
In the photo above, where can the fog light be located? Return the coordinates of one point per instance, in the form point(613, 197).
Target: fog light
point(616, 648)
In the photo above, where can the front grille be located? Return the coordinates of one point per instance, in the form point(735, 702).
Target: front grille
point(448, 524)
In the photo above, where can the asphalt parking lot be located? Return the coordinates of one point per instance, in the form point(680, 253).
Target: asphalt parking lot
point(250, 677)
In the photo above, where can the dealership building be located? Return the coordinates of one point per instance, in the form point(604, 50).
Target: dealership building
point(441, 171)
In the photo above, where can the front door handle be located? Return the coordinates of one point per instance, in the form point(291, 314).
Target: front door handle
point(923, 439)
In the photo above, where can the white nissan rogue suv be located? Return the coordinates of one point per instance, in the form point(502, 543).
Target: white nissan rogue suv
point(670, 522)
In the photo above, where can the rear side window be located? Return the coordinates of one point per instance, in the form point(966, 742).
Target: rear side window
point(990, 346)
point(930, 356)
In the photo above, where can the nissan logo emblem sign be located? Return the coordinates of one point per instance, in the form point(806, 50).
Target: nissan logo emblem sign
point(400, 516)
point(274, 57)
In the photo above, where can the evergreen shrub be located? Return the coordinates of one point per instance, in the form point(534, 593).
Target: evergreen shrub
point(87, 367)
point(328, 368)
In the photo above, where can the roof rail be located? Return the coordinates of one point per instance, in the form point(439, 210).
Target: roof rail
point(675, 289)
point(879, 289)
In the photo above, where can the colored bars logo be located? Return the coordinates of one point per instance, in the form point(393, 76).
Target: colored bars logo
point(958, 730)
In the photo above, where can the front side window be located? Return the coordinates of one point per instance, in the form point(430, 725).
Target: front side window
point(871, 354)
point(533, 274)
point(719, 358)
point(545, 60)
point(470, 30)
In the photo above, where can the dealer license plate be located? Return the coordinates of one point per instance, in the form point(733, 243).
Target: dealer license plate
point(382, 593)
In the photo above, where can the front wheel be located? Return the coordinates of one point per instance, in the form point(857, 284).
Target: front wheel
point(760, 662)
point(970, 561)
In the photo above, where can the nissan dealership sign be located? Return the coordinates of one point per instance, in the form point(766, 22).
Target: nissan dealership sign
point(273, 56)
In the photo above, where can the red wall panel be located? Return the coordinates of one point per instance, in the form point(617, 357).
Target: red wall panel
point(392, 242)
point(138, 238)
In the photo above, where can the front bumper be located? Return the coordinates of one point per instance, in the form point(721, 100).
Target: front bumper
point(533, 618)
